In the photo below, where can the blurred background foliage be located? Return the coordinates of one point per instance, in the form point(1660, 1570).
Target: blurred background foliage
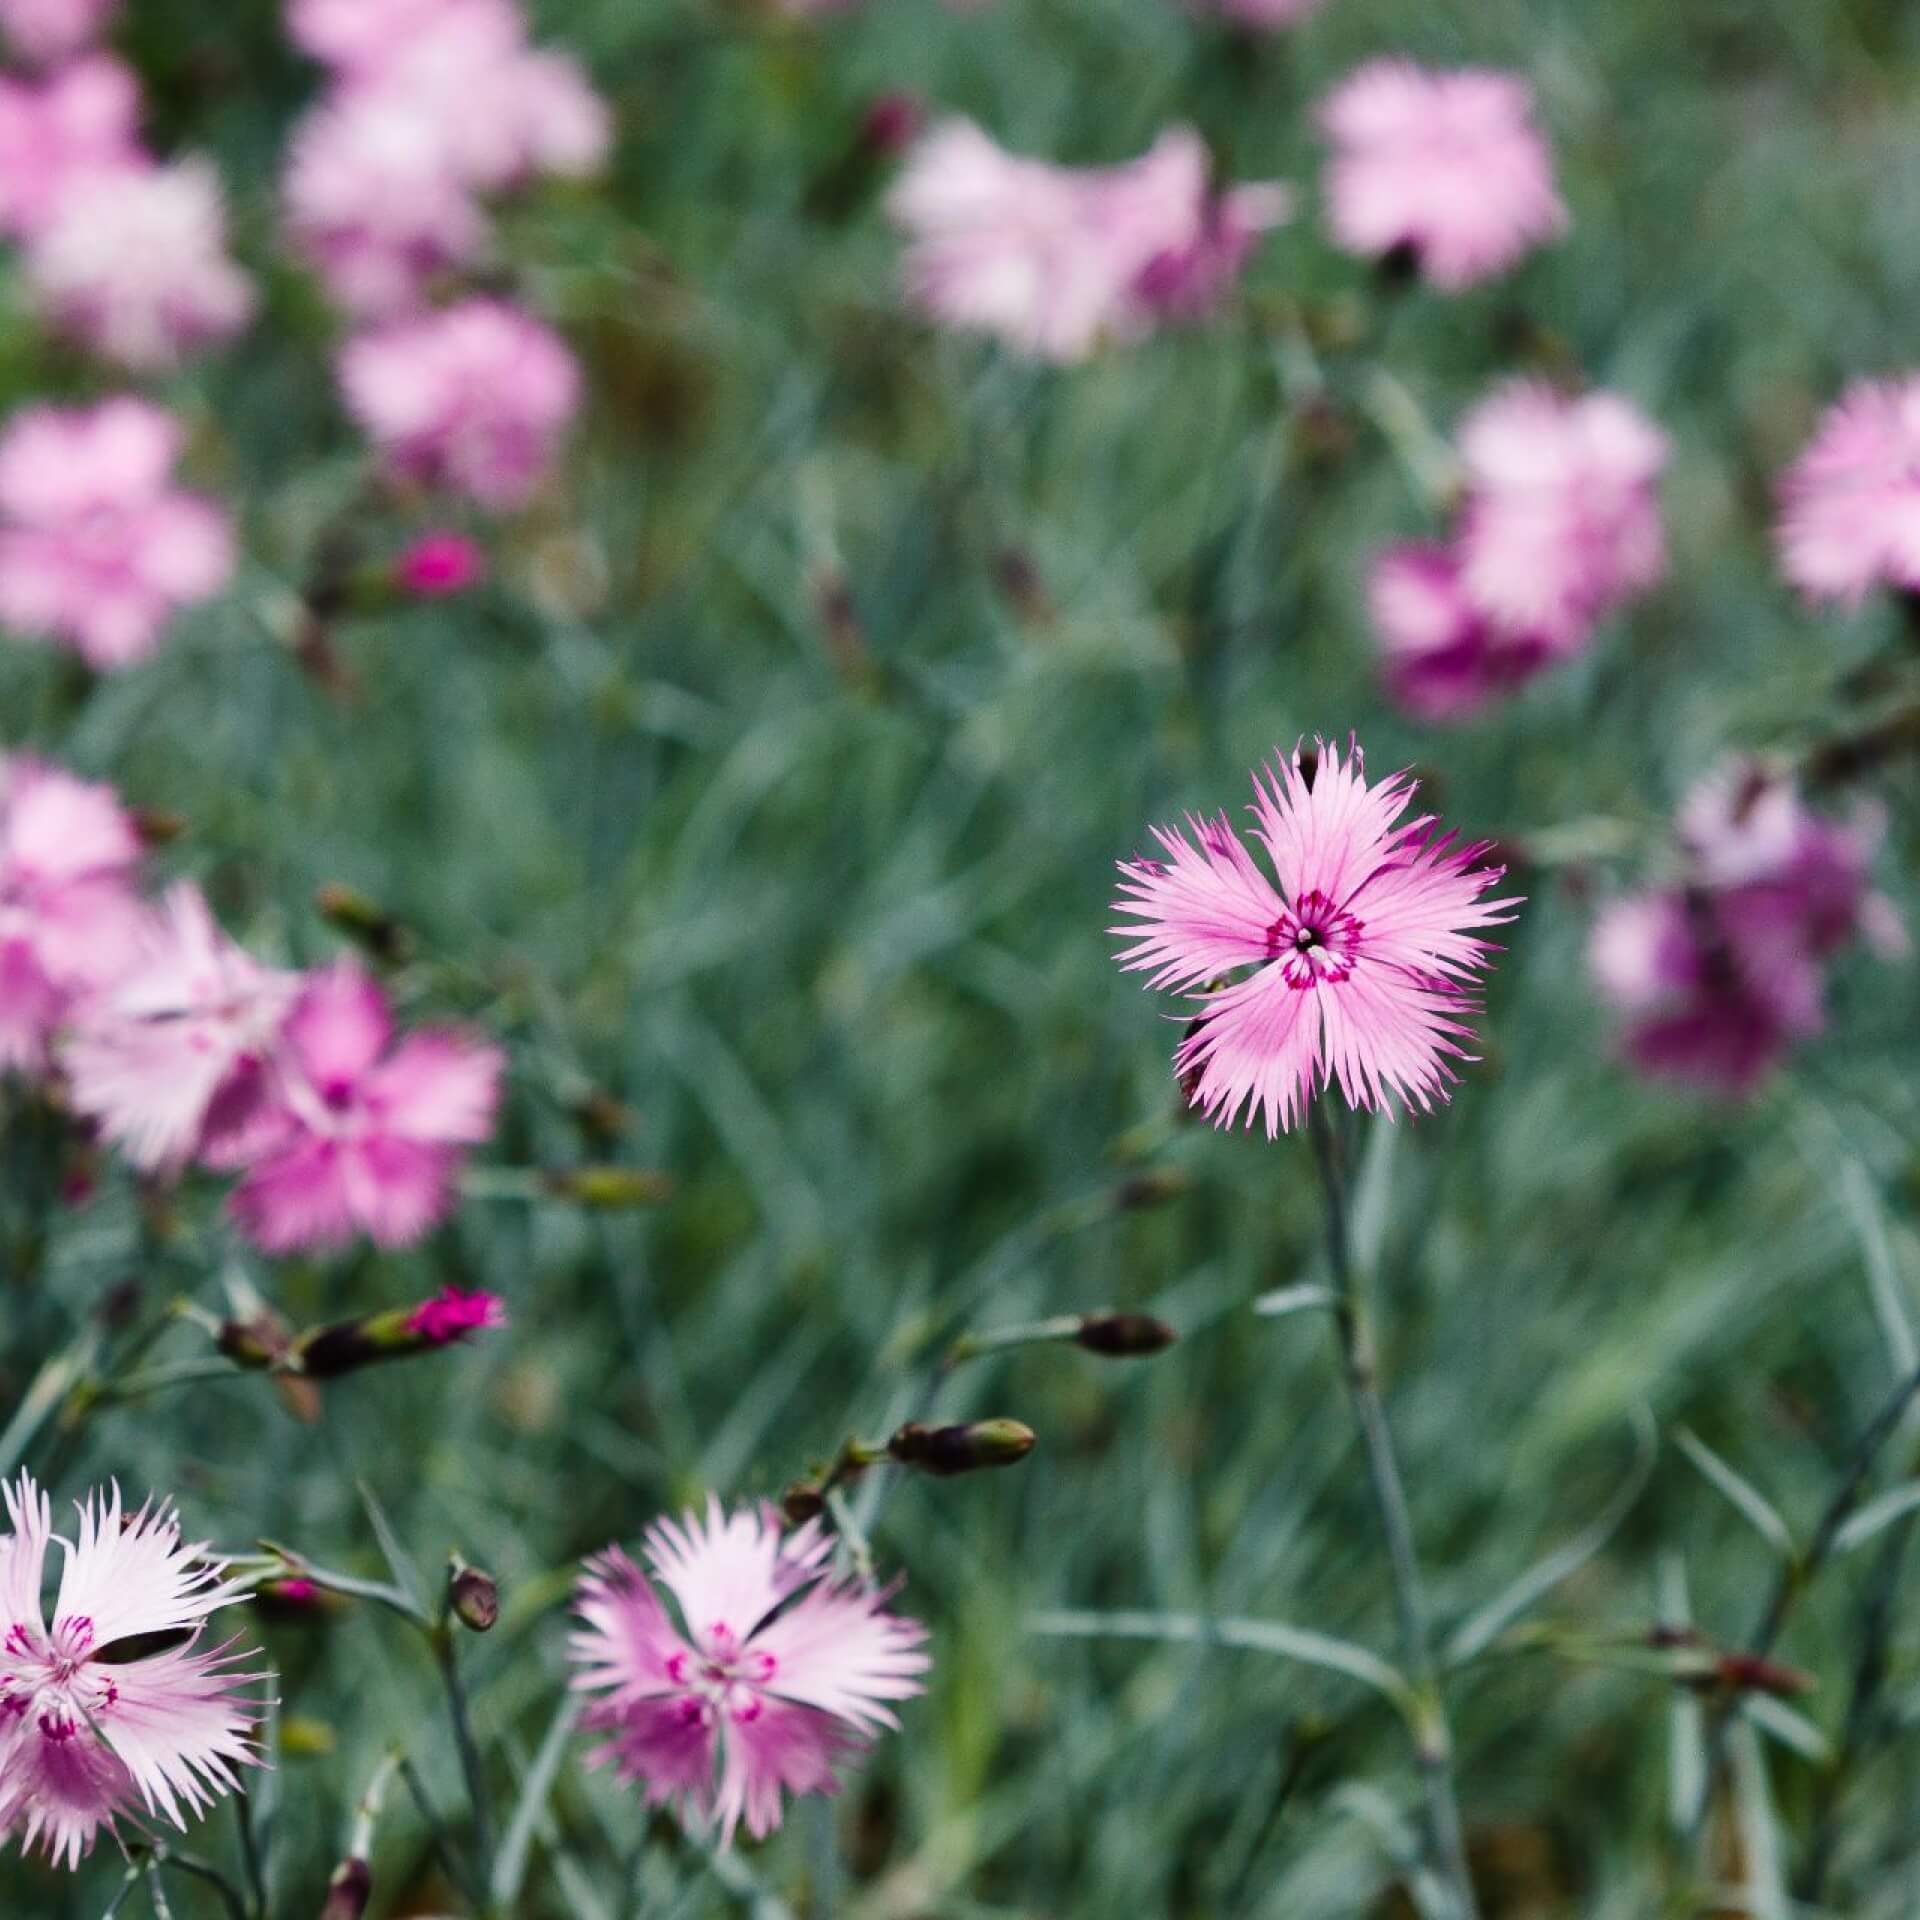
point(773, 787)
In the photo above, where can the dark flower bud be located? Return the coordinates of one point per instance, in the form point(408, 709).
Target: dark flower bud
point(803, 1501)
point(348, 1345)
point(1749, 1673)
point(348, 1891)
point(1124, 1335)
point(157, 828)
point(608, 1187)
point(1153, 1188)
point(962, 1449)
point(364, 921)
point(473, 1597)
point(258, 1342)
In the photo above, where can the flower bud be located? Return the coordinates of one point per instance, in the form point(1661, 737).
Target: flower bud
point(1124, 1335)
point(473, 1597)
point(962, 1449)
point(348, 1891)
point(259, 1342)
point(609, 1187)
point(326, 1353)
point(1154, 1188)
point(803, 1501)
point(1750, 1673)
point(364, 921)
point(438, 565)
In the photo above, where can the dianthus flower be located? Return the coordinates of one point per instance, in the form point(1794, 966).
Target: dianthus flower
point(1850, 505)
point(1443, 658)
point(1358, 965)
point(80, 121)
point(48, 31)
point(767, 1683)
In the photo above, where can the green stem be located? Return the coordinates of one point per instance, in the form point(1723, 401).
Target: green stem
point(1433, 1737)
point(446, 1652)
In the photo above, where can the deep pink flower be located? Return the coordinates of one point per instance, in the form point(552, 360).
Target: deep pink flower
point(473, 398)
point(82, 120)
point(1443, 658)
point(1055, 260)
point(452, 1315)
point(98, 549)
point(69, 917)
point(1850, 505)
point(1447, 166)
point(766, 1683)
point(88, 1736)
point(1562, 520)
point(365, 1135)
point(134, 266)
point(47, 31)
point(1359, 965)
point(438, 564)
point(169, 1058)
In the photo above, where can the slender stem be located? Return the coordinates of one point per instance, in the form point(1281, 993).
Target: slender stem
point(450, 1860)
point(250, 1859)
point(1434, 1739)
point(447, 1653)
point(196, 1868)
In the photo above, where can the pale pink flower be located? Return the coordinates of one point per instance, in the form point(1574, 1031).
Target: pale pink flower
point(1850, 505)
point(69, 916)
point(473, 398)
point(169, 1059)
point(771, 1677)
point(1262, 13)
point(98, 548)
point(1562, 518)
point(47, 31)
point(439, 564)
point(364, 1134)
point(1056, 260)
point(1442, 657)
point(360, 36)
point(80, 121)
point(1360, 965)
point(134, 266)
point(1447, 166)
point(91, 1731)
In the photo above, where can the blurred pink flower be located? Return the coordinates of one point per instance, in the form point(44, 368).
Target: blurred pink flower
point(473, 398)
point(134, 266)
point(69, 917)
point(88, 1734)
point(98, 549)
point(1056, 260)
point(364, 1135)
point(1718, 976)
point(1850, 505)
point(47, 31)
point(1447, 165)
point(1360, 965)
point(768, 1684)
point(439, 564)
point(452, 1315)
point(82, 120)
point(169, 1058)
point(1562, 518)
point(1443, 658)
point(1262, 13)
point(360, 35)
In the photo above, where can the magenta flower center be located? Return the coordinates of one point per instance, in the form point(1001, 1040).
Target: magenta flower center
point(1317, 941)
point(722, 1676)
point(48, 1679)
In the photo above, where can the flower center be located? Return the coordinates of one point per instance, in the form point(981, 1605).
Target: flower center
point(47, 1678)
point(722, 1677)
point(1317, 941)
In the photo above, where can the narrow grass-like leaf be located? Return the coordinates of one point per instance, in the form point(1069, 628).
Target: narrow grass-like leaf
point(1780, 1722)
point(510, 1865)
point(1294, 1299)
point(1753, 1506)
point(1895, 1504)
point(400, 1563)
point(1890, 1306)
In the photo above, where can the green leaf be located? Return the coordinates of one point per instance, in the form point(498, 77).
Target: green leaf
point(1758, 1511)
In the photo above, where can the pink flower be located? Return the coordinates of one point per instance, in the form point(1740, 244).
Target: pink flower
point(169, 1058)
point(97, 548)
point(69, 918)
point(1360, 965)
point(473, 398)
point(1562, 521)
point(1443, 657)
point(1850, 505)
point(88, 1735)
point(47, 31)
point(80, 121)
point(1448, 166)
point(365, 1134)
point(360, 36)
point(438, 564)
point(1054, 260)
point(453, 1315)
point(768, 1684)
point(134, 266)
point(1263, 13)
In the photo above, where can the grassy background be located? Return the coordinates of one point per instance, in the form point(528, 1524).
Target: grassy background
point(836, 935)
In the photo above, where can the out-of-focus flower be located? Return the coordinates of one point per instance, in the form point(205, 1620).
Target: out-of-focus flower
point(1717, 977)
point(170, 1057)
point(1360, 965)
point(473, 398)
point(88, 1735)
point(69, 917)
point(1448, 166)
point(1262, 13)
point(134, 266)
point(449, 1318)
point(359, 36)
point(1054, 260)
point(98, 549)
point(439, 564)
point(768, 1686)
point(80, 121)
point(1850, 505)
point(1443, 657)
point(1562, 520)
point(364, 1135)
point(47, 31)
